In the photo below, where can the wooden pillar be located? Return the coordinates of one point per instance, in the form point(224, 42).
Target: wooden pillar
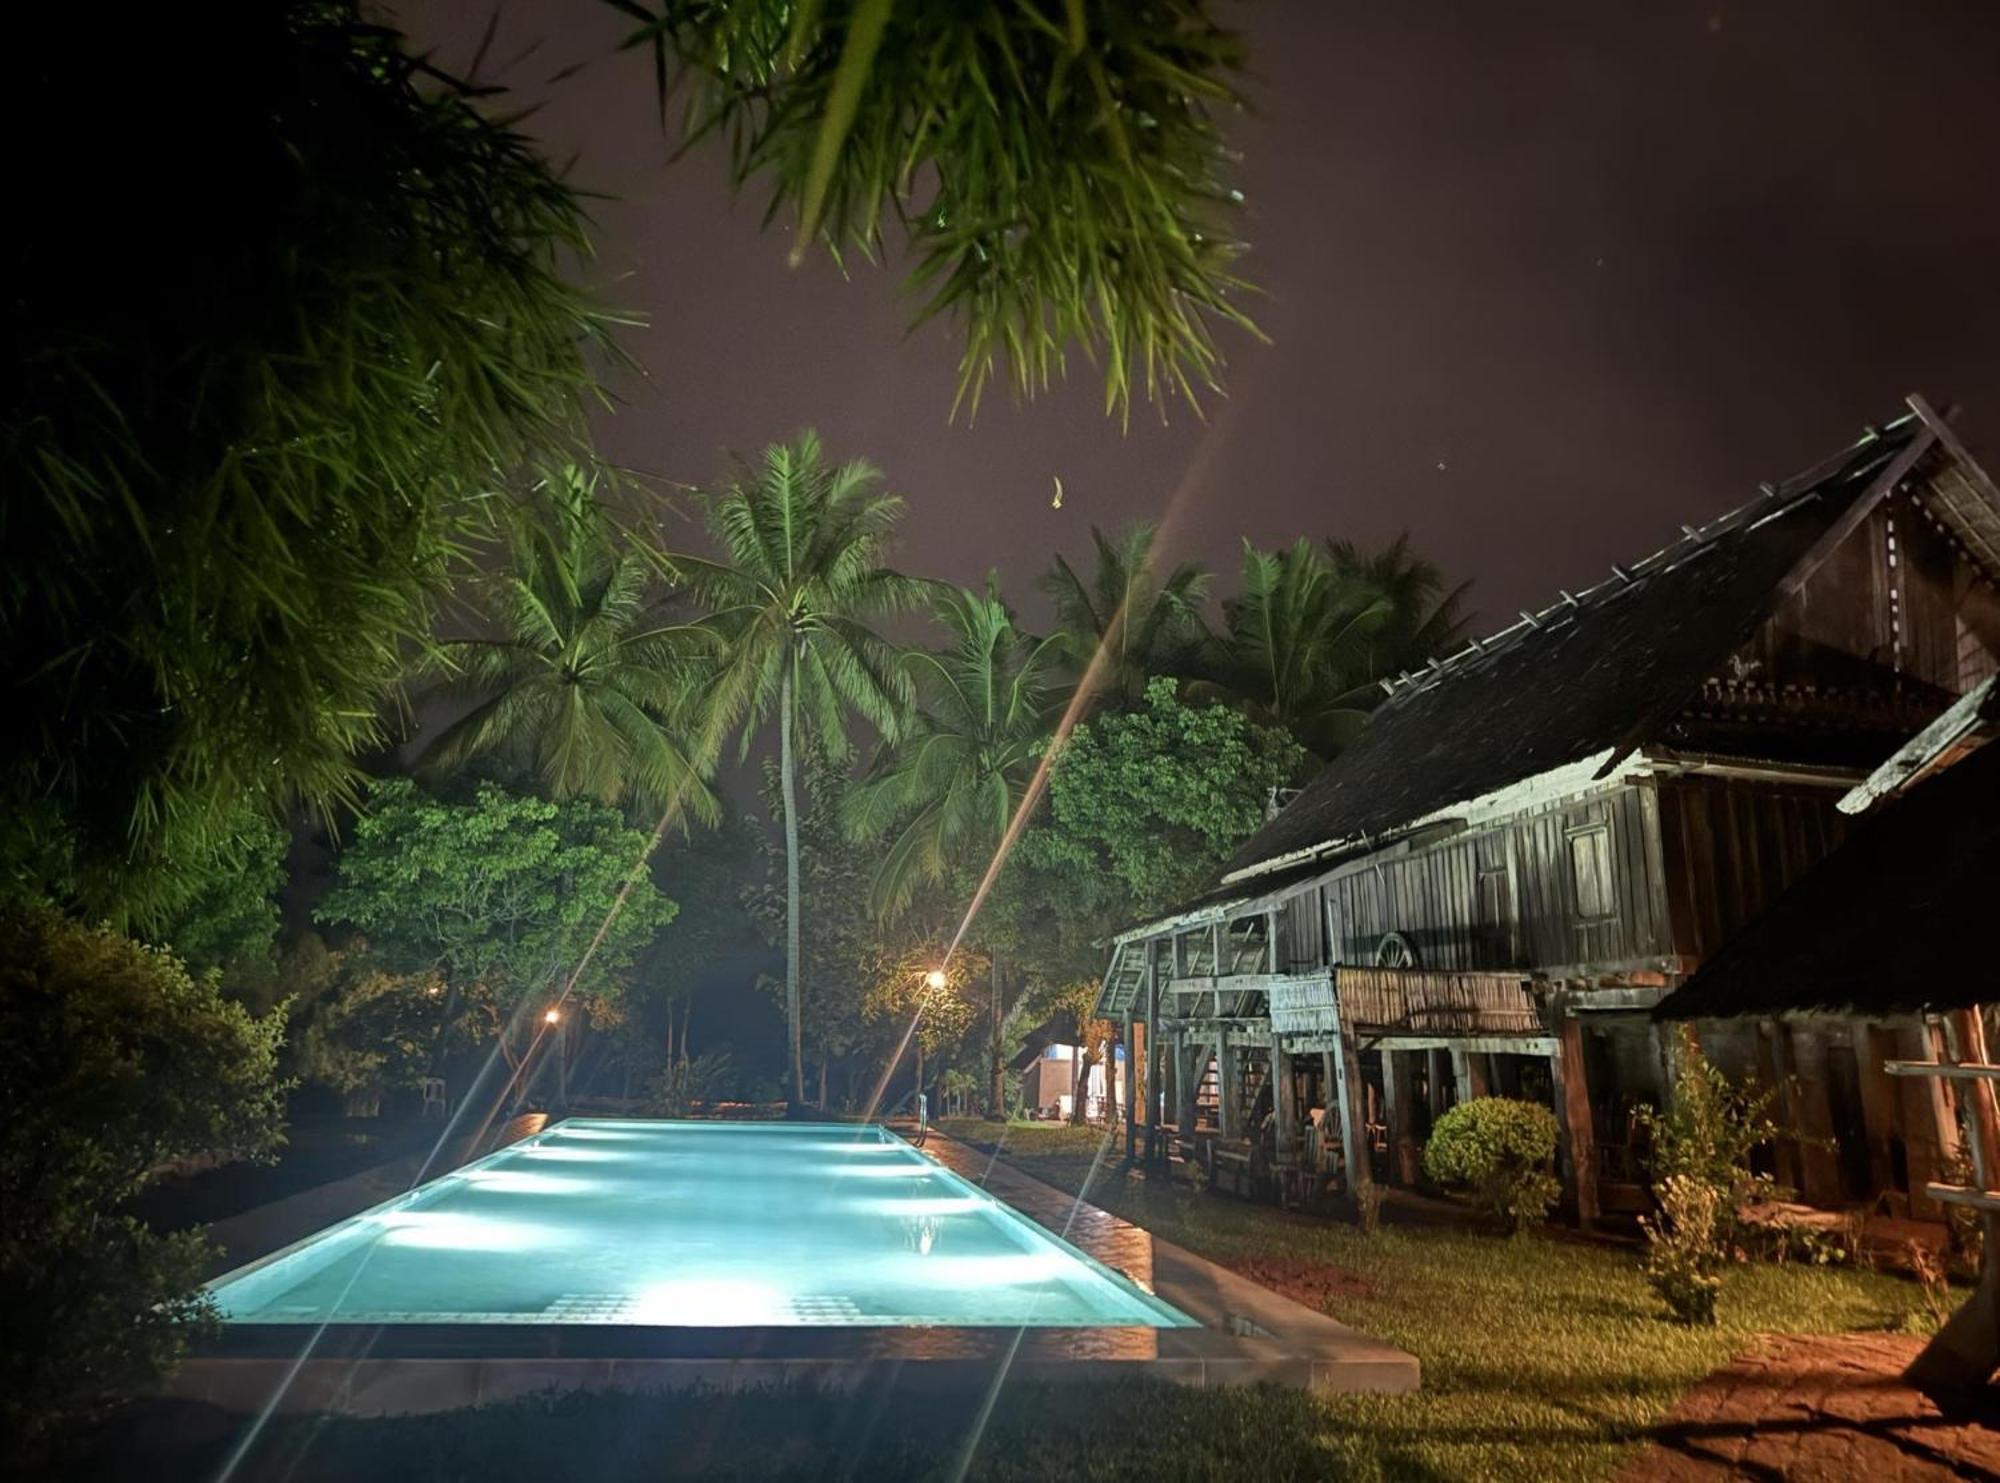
point(1352, 1098)
point(1155, 1055)
point(1576, 1135)
point(1398, 1089)
point(1111, 1078)
point(1468, 1071)
point(1774, 1056)
point(1440, 1103)
point(1228, 1089)
point(1284, 1103)
point(1188, 1062)
point(1818, 1160)
point(1131, 1088)
point(1880, 1118)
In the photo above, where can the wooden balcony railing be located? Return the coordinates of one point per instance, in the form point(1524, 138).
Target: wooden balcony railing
point(1424, 1001)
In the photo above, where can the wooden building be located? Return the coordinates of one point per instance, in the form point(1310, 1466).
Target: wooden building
point(1883, 937)
point(1534, 840)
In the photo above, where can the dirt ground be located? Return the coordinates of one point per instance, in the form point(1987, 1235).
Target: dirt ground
point(1820, 1408)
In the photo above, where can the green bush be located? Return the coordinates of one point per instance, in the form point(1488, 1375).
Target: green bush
point(113, 1062)
point(1685, 1247)
point(1501, 1150)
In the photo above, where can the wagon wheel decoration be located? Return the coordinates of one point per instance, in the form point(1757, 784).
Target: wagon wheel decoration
point(1394, 951)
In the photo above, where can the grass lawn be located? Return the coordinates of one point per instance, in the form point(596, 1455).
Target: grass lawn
point(1543, 1359)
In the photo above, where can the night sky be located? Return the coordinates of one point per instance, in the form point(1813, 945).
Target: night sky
point(1543, 281)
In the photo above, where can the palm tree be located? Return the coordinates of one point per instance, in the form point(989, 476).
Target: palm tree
point(1312, 630)
point(1147, 625)
point(802, 577)
point(1294, 651)
point(948, 791)
point(1425, 618)
point(586, 677)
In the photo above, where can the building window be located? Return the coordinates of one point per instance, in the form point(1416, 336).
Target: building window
point(1590, 872)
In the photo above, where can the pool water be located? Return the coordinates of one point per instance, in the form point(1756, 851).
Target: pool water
point(692, 1224)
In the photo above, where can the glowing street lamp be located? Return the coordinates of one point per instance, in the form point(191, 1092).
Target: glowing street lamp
point(553, 1017)
point(935, 979)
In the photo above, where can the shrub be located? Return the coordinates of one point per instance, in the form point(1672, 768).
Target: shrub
point(1700, 1164)
point(1684, 1250)
point(1501, 1149)
point(113, 1061)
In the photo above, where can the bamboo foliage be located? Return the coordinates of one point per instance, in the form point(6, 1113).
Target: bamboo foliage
point(1053, 168)
point(245, 446)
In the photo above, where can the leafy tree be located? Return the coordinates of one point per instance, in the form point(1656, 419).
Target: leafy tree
point(113, 1061)
point(1056, 171)
point(228, 919)
point(804, 543)
point(909, 991)
point(373, 1034)
point(584, 678)
point(240, 458)
point(1155, 799)
point(1144, 623)
point(498, 895)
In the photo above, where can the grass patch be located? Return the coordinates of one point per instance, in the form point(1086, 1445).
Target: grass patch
point(1543, 1357)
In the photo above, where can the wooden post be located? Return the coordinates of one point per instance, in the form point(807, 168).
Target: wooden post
point(1353, 1100)
point(1131, 1089)
point(1111, 1079)
point(1576, 1135)
point(1154, 1041)
point(1398, 1086)
point(1284, 1103)
point(1814, 1117)
point(1188, 1058)
point(1774, 1055)
point(1228, 1090)
point(1873, 1044)
point(1469, 1073)
point(1440, 1104)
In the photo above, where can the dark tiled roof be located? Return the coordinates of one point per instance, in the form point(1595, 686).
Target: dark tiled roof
point(1581, 676)
point(1888, 923)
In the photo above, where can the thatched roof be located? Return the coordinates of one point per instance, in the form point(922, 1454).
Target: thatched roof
point(1605, 668)
point(1893, 921)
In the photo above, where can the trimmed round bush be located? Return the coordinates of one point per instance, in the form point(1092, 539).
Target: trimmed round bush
point(1502, 1150)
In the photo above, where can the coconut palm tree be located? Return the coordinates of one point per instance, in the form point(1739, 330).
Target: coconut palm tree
point(802, 577)
point(947, 792)
point(948, 789)
point(1425, 617)
point(1148, 624)
point(1294, 649)
point(1313, 629)
point(582, 675)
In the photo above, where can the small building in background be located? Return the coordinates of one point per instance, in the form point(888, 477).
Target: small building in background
point(1536, 839)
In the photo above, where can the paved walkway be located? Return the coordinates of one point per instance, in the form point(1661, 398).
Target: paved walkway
point(1822, 1407)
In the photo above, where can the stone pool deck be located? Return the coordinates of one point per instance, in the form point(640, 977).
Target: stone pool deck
point(1248, 1334)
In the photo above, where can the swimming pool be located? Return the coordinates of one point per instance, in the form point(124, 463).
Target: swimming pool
point(692, 1225)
